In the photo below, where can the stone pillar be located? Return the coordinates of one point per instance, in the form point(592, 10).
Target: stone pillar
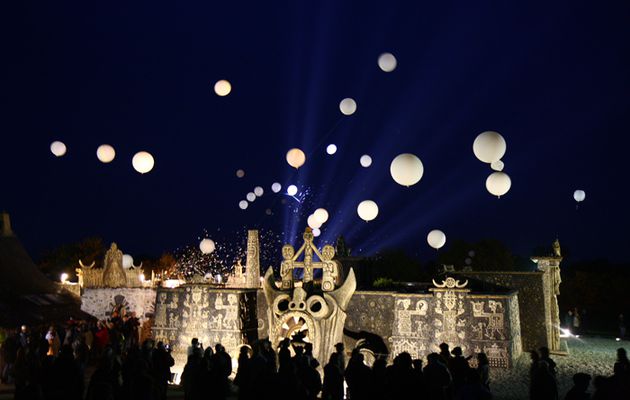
point(253, 260)
point(5, 225)
point(551, 281)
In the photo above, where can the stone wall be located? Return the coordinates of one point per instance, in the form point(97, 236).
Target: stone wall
point(532, 311)
point(100, 302)
point(226, 316)
point(417, 323)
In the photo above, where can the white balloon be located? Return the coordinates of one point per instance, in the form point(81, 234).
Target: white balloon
point(489, 146)
point(367, 210)
point(331, 149)
point(206, 246)
point(436, 239)
point(143, 162)
point(251, 196)
point(258, 191)
point(579, 195)
point(276, 187)
point(58, 148)
point(387, 62)
point(406, 169)
point(498, 183)
point(296, 158)
point(313, 222)
point(243, 204)
point(365, 161)
point(497, 166)
point(127, 261)
point(321, 214)
point(348, 106)
point(240, 173)
point(292, 190)
point(222, 88)
point(105, 153)
point(316, 232)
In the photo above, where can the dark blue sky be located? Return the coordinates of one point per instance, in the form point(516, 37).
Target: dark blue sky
point(554, 80)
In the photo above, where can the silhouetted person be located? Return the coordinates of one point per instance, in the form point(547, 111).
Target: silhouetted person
point(104, 381)
point(333, 379)
point(358, 377)
point(222, 368)
point(284, 356)
point(418, 376)
point(242, 377)
point(311, 380)
point(436, 376)
point(458, 366)
point(192, 376)
point(483, 369)
point(162, 362)
point(340, 349)
point(67, 382)
point(401, 377)
point(544, 356)
point(580, 387)
point(622, 361)
point(445, 353)
point(472, 388)
point(542, 383)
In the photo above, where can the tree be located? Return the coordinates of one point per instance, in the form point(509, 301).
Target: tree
point(65, 258)
point(484, 255)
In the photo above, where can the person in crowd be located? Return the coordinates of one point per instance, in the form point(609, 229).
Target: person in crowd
point(621, 323)
point(242, 377)
point(458, 367)
point(542, 383)
point(472, 388)
point(577, 322)
point(192, 376)
point(445, 353)
point(358, 377)
point(8, 352)
point(162, 362)
point(545, 356)
point(222, 369)
point(483, 369)
point(568, 320)
point(333, 379)
point(437, 377)
point(341, 350)
point(194, 344)
point(579, 391)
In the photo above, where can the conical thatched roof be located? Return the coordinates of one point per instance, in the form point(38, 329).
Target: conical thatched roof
point(26, 295)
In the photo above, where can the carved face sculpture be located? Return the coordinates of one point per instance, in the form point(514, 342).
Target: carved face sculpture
point(287, 252)
point(318, 318)
point(328, 252)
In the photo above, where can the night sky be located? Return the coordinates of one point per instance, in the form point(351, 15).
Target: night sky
point(554, 81)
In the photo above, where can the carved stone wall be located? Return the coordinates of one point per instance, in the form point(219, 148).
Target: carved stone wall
point(100, 302)
point(418, 323)
point(533, 313)
point(226, 316)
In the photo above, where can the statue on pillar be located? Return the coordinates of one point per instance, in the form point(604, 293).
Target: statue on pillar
point(113, 274)
point(330, 272)
point(556, 248)
point(286, 267)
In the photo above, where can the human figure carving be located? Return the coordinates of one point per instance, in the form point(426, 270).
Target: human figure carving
point(113, 273)
point(286, 268)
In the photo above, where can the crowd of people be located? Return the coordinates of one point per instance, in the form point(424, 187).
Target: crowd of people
point(104, 362)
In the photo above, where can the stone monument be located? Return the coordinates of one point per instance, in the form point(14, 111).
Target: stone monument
point(113, 272)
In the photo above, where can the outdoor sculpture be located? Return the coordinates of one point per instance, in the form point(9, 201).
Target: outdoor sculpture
point(303, 311)
point(114, 275)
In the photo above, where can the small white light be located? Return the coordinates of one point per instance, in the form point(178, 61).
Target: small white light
point(348, 106)
point(143, 162)
point(64, 277)
point(240, 173)
point(316, 232)
point(58, 148)
point(141, 277)
point(105, 153)
point(387, 62)
point(251, 196)
point(243, 204)
point(618, 339)
point(365, 161)
point(276, 187)
point(331, 149)
point(258, 191)
point(292, 190)
point(222, 88)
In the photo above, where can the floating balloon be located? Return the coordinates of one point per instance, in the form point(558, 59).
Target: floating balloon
point(406, 169)
point(436, 239)
point(222, 88)
point(365, 161)
point(367, 210)
point(258, 191)
point(240, 173)
point(268, 211)
point(64, 277)
point(331, 149)
point(296, 158)
point(316, 232)
point(313, 222)
point(579, 195)
point(387, 62)
point(489, 146)
point(321, 214)
point(243, 204)
point(276, 187)
point(497, 166)
point(292, 190)
point(498, 183)
point(105, 153)
point(251, 196)
point(143, 162)
point(58, 148)
point(348, 106)
point(206, 246)
point(127, 261)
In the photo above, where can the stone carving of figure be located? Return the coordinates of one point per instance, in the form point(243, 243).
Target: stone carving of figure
point(286, 268)
point(113, 274)
point(556, 248)
point(330, 271)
